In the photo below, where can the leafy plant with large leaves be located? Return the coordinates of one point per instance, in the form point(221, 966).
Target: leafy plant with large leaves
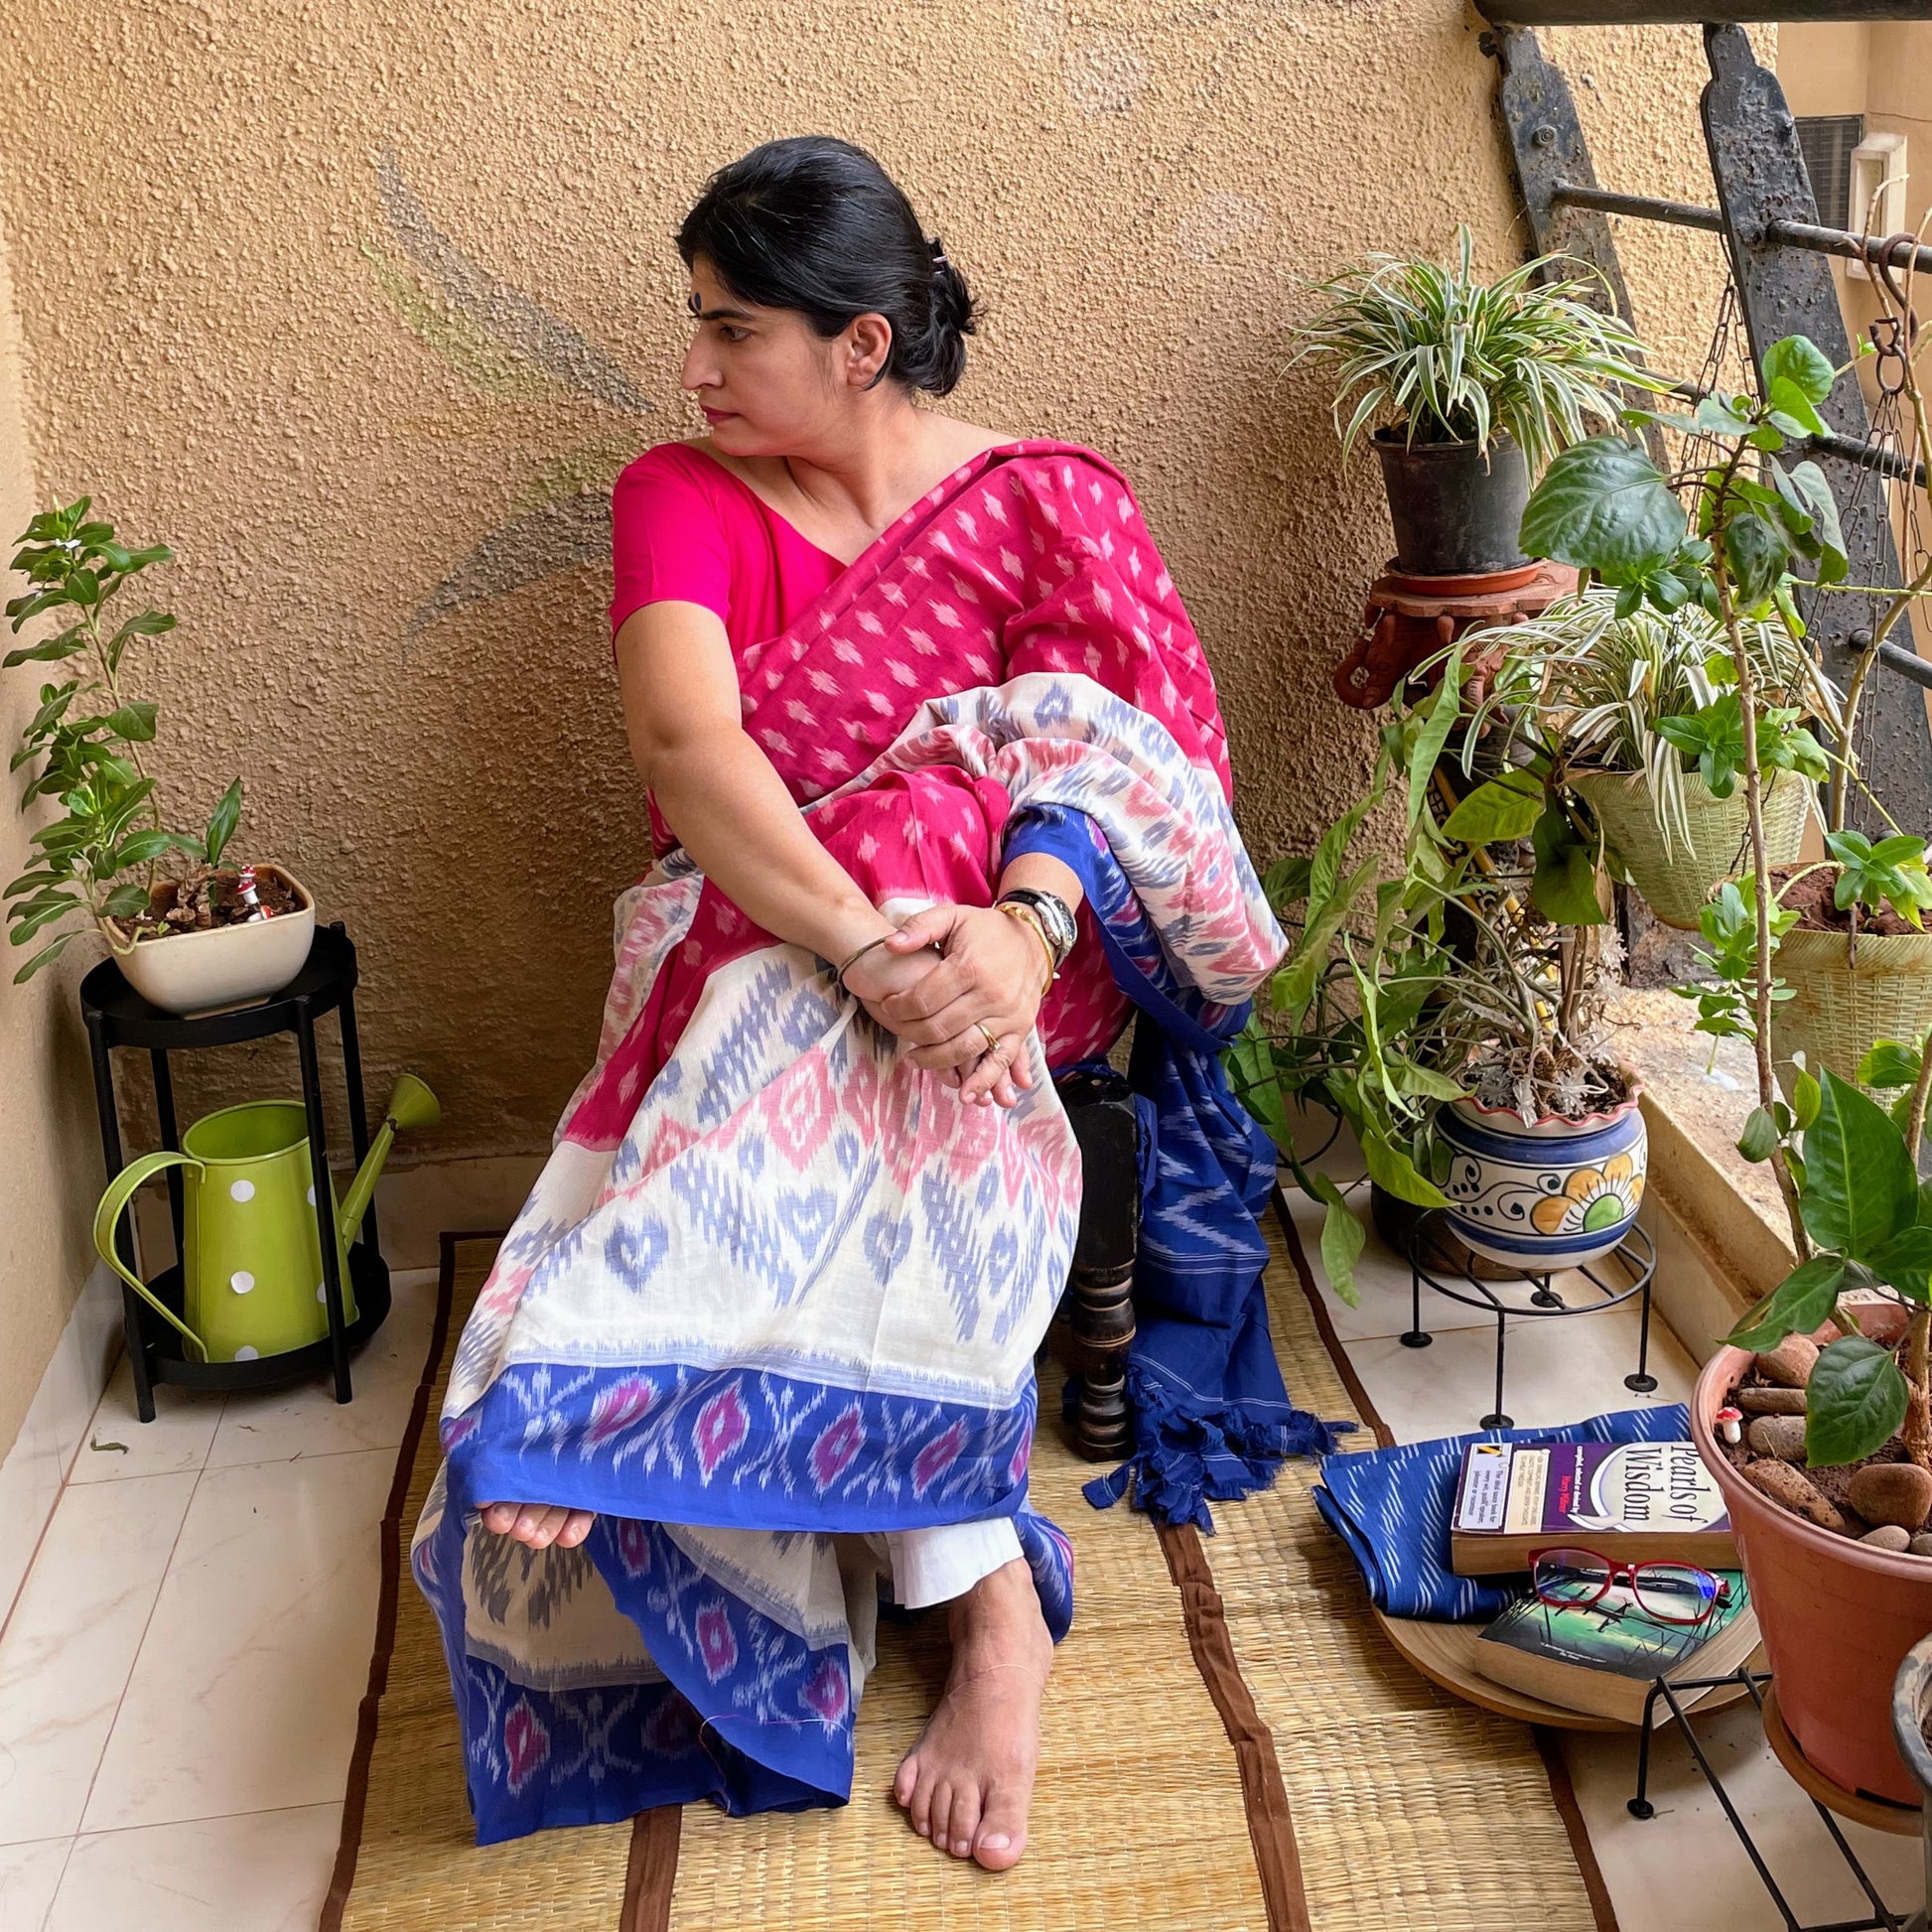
point(98, 860)
point(1871, 1225)
point(1460, 955)
point(1730, 539)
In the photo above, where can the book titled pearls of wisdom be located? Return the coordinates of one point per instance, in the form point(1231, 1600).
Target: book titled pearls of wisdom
point(1635, 1502)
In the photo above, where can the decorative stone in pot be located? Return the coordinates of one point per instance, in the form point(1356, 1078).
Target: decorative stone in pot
point(1837, 1615)
point(191, 973)
point(1456, 507)
point(1675, 881)
point(1842, 999)
point(1546, 1194)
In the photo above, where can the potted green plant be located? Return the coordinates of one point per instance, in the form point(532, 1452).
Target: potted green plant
point(1857, 961)
point(1449, 1005)
point(1846, 1171)
point(1639, 708)
point(202, 937)
point(1831, 1499)
point(1472, 386)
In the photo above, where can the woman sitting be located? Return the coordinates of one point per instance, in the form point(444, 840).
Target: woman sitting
point(907, 694)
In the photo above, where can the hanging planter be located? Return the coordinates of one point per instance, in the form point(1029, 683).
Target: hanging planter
point(1714, 846)
point(1544, 1194)
point(1845, 998)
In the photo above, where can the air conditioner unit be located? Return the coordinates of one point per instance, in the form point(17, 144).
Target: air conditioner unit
point(1877, 190)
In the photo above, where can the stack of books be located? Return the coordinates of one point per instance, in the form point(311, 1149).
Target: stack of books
point(1631, 1503)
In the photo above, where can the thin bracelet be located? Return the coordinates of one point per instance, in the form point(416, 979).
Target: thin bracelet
point(1027, 916)
point(931, 945)
point(859, 955)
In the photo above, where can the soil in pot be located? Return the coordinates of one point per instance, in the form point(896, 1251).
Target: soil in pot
point(212, 900)
point(1810, 897)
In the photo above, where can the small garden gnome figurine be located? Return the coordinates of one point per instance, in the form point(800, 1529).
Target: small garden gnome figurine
point(247, 892)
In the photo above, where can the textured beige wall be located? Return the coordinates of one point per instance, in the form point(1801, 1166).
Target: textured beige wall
point(1824, 65)
point(361, 306)
point(49, 1148)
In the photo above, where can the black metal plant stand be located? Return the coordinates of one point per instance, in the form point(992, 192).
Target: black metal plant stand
point(118, 1015)
point(1639, 1804)
point(1431, 1258)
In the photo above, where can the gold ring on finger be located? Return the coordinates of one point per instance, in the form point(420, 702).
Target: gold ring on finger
point(988, 1035)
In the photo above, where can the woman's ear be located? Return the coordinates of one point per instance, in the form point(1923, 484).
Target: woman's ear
point(864, 345)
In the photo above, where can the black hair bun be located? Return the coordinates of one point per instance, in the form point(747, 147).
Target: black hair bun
point(953, 320)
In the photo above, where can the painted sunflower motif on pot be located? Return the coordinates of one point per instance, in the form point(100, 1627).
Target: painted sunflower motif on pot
point(1548, 1195)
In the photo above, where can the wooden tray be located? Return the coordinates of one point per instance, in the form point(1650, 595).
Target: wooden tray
point(1444, 1653)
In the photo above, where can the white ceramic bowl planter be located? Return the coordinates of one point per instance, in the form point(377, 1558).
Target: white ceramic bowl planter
point(1548, 1194)
point(224, 966)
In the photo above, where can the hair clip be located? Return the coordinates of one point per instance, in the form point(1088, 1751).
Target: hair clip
point(938, 254)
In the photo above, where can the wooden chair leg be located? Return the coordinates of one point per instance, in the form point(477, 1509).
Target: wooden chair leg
point(1099, 1304)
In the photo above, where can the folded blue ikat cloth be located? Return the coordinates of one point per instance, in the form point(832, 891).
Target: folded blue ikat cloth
point(1391, 1508)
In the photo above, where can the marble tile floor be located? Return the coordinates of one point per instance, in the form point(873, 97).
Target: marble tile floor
point(180, 1676)
point(1681, 1871)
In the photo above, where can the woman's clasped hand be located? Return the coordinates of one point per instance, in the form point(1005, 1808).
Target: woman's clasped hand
point(966, 1015)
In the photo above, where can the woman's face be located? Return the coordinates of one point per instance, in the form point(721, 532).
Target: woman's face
point(769, 384)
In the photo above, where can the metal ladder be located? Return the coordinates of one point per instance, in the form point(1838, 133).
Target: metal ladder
point(1778, 253)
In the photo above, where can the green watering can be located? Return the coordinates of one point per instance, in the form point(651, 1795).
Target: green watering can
point(251, 1265)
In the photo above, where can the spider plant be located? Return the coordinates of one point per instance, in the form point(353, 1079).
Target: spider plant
point(1452, 360)
point(1656, 693)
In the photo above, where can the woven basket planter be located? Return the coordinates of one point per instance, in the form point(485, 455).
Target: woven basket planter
point(1836, 1010)
point(1675, 883)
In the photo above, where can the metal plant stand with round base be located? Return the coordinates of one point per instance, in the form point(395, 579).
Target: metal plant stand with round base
point(1432, 1258)
point(118, 1015)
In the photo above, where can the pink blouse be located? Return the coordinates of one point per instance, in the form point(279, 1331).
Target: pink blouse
point(684, 526)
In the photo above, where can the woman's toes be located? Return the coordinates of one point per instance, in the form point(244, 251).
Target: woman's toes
point(942, 1816)
point(1001, 1835)
point(906, 1779)
point(963, 1827)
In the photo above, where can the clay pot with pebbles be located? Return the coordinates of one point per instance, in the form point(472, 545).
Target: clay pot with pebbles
point(1838, 1561)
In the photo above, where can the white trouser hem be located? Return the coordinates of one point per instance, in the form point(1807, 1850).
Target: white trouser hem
point(936, 1566)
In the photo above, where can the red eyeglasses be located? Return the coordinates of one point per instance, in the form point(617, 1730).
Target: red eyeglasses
point(1672, 1593)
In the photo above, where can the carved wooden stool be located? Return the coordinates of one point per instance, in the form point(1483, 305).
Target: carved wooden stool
point(1097, 1310)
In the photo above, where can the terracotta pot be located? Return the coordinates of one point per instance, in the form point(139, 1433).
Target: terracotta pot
point(1837, 1615)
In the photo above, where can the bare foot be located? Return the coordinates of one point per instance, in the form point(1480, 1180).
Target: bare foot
point(968, 1783)
point(539, 1524)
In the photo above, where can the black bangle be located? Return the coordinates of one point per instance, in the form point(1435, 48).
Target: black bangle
point(1056, 917)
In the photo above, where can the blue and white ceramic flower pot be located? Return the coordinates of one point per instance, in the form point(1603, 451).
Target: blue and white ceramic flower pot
point(1546, 1194)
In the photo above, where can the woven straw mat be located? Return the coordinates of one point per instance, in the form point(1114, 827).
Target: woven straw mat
point(1410, 1810)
